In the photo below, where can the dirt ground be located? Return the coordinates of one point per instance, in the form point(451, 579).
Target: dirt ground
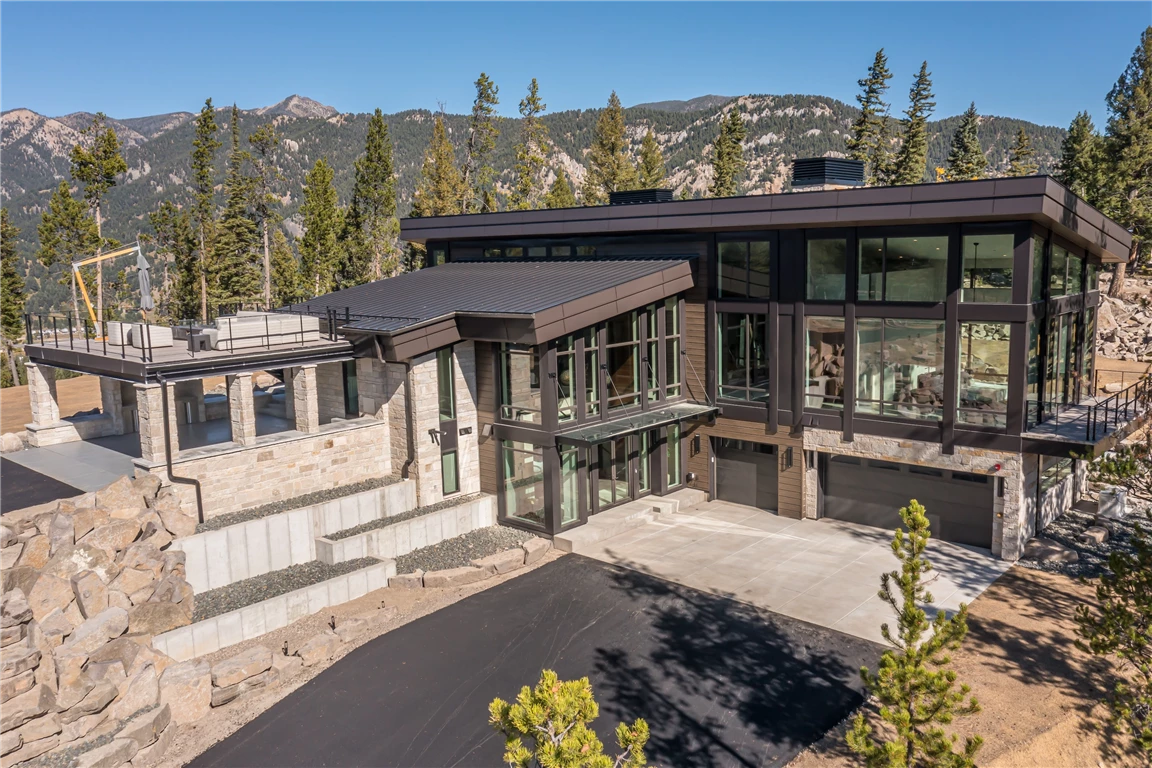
point(1039, 694)
point(1123, 371)
point(385, 609)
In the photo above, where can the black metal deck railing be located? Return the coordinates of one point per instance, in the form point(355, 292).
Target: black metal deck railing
point(1091, 420)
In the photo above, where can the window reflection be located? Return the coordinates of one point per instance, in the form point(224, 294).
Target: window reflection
point(827, 269)
point(825, 384)
point(519, 383)
point(983, 391)
point(523, 481)
point(903, 269)
point(987, 275)
point(900, 368)
point(742, 356)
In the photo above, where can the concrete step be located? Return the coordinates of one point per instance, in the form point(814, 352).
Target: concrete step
point(617, 520)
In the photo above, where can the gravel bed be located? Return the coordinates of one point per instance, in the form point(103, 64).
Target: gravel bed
point(69, 758)
point(276, 507)
point(243, 593)
point(462, 550)
point(387, 521)
point(1093, 563)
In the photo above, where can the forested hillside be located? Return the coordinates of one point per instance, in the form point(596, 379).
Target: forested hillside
point(35, 151)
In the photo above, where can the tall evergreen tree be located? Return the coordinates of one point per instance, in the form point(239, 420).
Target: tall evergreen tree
point(67, 234)
point(871, 134)
point(176, 249)
point(204, 146)
point(1081, 165)
point(477, 174)
point(96, 162)
point(530, 152)
point(911, 164)
point(966, 160)
point(1020, 157)
point(372, 213)
point(609, 167)
point(438, 191)
point(264, 141)
point(1128, 148)
point(285, 271)
point(651, 169)
point(11, 293)
point(238, 278)
point(728, 155)
point(560, 194)
point(320, 254)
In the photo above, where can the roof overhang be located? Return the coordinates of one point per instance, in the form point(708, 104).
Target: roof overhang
point(602, 432)
point(1036, 198)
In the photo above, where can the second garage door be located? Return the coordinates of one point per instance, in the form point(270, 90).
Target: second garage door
point(746, 473)
point(959, 505)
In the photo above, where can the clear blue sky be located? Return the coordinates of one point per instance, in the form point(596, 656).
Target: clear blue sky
point(1038, 61)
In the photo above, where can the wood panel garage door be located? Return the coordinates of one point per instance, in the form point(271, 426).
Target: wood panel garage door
point(746, 473)
point(871, 492)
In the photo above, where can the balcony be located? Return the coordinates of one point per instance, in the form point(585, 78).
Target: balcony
point(1099, 422)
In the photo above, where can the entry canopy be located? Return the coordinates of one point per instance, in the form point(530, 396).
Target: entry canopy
point(638, 422)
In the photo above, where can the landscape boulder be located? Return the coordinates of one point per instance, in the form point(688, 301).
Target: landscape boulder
point(102, 693)
point(16, 685)
point(91, 593)
point(18, 660)
point(113, 536)
point(98, 630)
point(286, 666)
point(1044, 550)
point(20, 709)
point(60, 532)
point(501, 562)
point(72, 559)
point(455, 577)
point(265, 679)
point(319, 648)
point(14, 608)
point(141, 691)
point(121, 498)
point(350, 628)
point(36, 552)
point(111, 755)
point(147, 726)
point(414, 580)
point(10, 442)
point(1095, 534)
point(147, 486)
point(156, 618)
point(187, 689)
point(32, 749)
point(246, 664)
point(534, 549)
point(48, 594)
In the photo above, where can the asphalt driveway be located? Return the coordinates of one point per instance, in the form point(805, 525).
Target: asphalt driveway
point(720, 682)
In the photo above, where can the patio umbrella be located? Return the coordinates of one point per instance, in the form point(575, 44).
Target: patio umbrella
point(142, 275)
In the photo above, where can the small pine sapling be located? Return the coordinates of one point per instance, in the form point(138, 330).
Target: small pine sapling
point(917, 691)
point(548, 726)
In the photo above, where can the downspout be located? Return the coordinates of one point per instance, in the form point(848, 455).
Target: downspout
point(168, 452)
point(409, 411)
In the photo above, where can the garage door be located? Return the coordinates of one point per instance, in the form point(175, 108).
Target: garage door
point(746, 473)
point(959, 505)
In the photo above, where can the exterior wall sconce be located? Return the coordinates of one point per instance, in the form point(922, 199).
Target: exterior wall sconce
point(786, 459)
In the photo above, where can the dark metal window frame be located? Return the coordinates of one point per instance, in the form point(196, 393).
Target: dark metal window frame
point(885, 234)
point(747, 322)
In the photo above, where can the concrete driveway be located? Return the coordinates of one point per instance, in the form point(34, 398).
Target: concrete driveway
point(825, 572)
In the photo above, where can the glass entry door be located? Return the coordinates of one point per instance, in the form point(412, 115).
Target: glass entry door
point(612, 475)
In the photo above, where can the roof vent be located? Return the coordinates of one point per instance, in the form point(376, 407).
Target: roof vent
point(826, 173)
point(636, 196)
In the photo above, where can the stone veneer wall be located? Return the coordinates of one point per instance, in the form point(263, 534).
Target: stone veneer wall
point(282, 466)
point(426, 468)
point(1011, 526)
point(330, 391)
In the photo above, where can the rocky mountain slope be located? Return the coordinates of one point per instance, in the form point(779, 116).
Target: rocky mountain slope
point(34, 150)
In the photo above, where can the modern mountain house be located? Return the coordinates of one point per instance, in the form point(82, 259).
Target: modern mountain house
point(829, 352)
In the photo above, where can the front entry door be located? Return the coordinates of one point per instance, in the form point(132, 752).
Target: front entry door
point(613, 476)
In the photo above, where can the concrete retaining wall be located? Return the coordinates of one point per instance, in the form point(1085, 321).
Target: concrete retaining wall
point(408, 535)
point(241, 551)
point(275, 613)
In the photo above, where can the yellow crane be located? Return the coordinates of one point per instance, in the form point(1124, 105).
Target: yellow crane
point(76, 265)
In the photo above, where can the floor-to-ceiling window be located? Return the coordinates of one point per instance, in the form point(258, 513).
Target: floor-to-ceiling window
point(742, 357)
point(983, 371)
point(622, 351)
point(827, 269)
point(824, 387)
point(675, 469)
point(987, 268)
point(900, 368)
point(569, 485)
point(902, 268)
point(523, 471)
point(520, 383)
point(612, 472)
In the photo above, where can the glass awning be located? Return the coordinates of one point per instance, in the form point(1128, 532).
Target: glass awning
point(604, 431)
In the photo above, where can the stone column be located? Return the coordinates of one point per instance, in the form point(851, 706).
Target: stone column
point(394, 375)
point(304, 397)
point(468, 446)
point(426, 413)
point(42, 394)
point(241, 409)
point(150, 413)
point(112, 404)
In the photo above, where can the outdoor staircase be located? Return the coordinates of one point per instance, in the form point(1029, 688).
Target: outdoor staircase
point(625, 517)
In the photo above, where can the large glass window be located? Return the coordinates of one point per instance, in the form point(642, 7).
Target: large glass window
point(622, 349)
point(825, 377)
point(519, 383)
point(591, 373)
point(743, 269)
point(1093, 278)
point(987, 275)
point(900, 368)
point(450, 472)
point(673, 361)
point(1057, 276)
point(523, 481)
point(743, 357)
point(903, 269)
point(675, 471)
point(652, 354)
point(827, 269)
point(566, 378)
point(983, 390)
point(1034, 363)
point(445, 384)
point(612, 472)
point(351, 389)
point(569, 485)
point(1089, 358)
point(1075, 267)
point(1037, 269)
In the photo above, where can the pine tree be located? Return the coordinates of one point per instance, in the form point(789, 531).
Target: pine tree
point(911, 165)
point(204, 146)
point(728, 155)
point(11, 294)
point(1020, 162)
point(96, 166)
point(916, 690)
point(285, 271)
point(374, 249)
point(320, 254)
point(176, 249)
point(966, 160)
point(554, 719)
point(438, 191)
point(1081, 160)
point(560, 194)
point(651, 170)
point(871, 138)
point(530, 152)
point(237, 278)
point(477, 174)
point(264, 141)
point(609, 167)
point(67, 234)
point(1128, 149)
